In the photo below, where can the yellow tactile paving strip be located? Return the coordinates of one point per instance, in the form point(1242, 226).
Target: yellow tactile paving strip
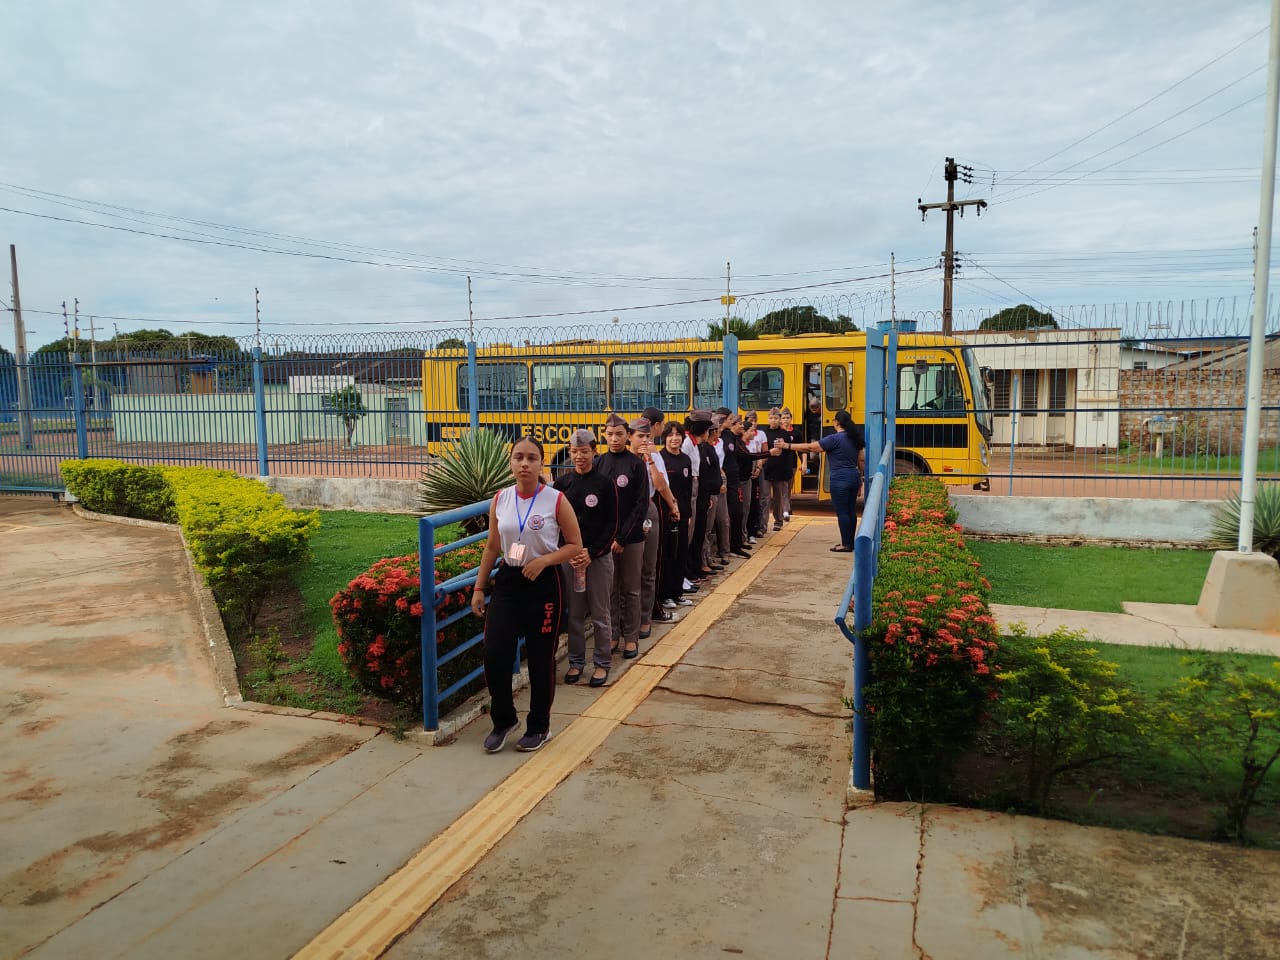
point(371, 925)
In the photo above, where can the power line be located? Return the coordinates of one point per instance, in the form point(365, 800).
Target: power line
point(410, 260)
point(528, 316)
point(1158, 123)
point(1144, 103)
point(1154, 146)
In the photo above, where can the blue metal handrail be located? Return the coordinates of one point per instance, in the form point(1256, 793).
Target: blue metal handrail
point(866, 561)
point(879, 428)
point(432, 660)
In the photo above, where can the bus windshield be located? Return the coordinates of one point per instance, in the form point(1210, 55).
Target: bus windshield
point(978, 390)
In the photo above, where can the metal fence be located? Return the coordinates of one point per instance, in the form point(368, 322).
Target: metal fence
point(1145, 401)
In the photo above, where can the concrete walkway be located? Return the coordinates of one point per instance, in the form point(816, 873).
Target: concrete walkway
point(695, 807)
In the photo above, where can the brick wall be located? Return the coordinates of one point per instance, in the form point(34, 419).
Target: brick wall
point(1213, 398)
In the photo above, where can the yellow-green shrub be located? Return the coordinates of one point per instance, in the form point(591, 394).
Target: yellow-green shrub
point(242, 537)
point(118, 488)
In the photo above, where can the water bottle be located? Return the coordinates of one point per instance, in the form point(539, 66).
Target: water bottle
point(579, 579)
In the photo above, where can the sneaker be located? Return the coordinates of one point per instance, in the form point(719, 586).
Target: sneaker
point(786, 517)
point(669, 604)
point(777, 527)
point(498, 739)
point(751, 540)
point(683, 602)
point(686, 585)
point(663, 616)
point(532, 741)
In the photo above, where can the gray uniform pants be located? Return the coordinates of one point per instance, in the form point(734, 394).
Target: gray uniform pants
point(649, 568)
point(708, 536)
point(624, 610)
point(776, 496)
point(593, 603)
point(721, 527)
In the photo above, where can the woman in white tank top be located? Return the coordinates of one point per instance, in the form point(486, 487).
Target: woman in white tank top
point(528, 523)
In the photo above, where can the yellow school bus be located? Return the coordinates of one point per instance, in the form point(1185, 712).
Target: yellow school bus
point(549, 390)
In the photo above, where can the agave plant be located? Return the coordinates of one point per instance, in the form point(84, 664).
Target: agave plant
point(474, 468)
point(1266, 522)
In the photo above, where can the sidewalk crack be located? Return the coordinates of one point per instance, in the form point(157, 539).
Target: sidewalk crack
point(835, 894)
point(915, 892)
point(754, 703)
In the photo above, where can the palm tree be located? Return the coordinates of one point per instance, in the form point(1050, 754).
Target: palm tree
point(473, 469)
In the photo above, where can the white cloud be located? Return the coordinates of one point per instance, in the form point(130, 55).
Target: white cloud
point(622, 140)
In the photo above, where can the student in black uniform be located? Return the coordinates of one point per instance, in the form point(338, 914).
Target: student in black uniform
point(533, 528)
point(595, 503)
point(680, 480)
point(630, 478)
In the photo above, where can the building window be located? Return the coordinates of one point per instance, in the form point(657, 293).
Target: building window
point(1057, 393)
point(1139, 364)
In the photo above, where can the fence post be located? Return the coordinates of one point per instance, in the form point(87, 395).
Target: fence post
point(473, 386)
point(427, 597)
point(260, 411)
point(77, 407)
point(729, 373)
point(873, 402)
point(890, 402)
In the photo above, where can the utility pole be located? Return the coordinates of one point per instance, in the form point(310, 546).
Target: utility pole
point(471, 322)
point(728, 299)
point(952, 172)
point(257, 318)
point(893, 291)
point(93, 366)
point(20, 344)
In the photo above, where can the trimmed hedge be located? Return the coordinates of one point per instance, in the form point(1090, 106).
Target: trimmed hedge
point(120, 489)
point(242, 537)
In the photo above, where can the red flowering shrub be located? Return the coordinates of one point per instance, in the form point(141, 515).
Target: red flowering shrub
point(930, 645)
point(378, 616)
point(919, 500)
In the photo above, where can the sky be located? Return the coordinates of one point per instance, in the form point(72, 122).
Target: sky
point(582, 161)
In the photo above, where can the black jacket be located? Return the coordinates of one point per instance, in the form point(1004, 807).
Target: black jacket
point(595, 503)
point(630, 479)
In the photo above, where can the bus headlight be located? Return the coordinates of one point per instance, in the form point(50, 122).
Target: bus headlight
point(982, 451)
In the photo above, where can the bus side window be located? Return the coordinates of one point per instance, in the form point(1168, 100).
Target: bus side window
point(760, 388)
point(708, 388)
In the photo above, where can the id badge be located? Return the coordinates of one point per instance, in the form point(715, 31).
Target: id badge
point(516, 554)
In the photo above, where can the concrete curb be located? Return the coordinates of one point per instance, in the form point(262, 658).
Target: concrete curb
point(216, 642)
point(224, 661)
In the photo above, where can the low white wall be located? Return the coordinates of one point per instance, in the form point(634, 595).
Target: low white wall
point(1185, 522)
point(367, 494)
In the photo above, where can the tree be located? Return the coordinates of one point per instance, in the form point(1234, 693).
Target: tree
point(348, 404)
point(1021, 317)
point(790, 321)
point(742, 329)
point(451, 343)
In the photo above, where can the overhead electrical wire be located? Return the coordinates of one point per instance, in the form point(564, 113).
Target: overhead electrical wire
point(1016, 195)
point(1088, 136)
point(399, 259)
point(527, 316)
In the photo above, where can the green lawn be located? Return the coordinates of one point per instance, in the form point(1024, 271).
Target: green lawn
point(346, 545)
point(1090, 577)
point(1268, 463)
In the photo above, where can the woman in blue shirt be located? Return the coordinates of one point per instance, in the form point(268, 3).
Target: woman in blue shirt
point(845, 450)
